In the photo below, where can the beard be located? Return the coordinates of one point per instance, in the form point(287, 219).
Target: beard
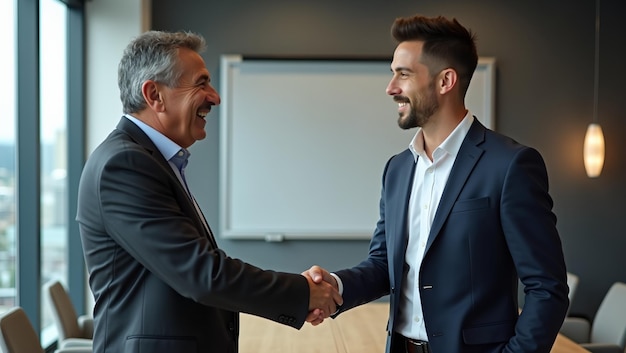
point(425, 106)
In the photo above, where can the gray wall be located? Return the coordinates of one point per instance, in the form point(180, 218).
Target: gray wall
point(544, 52)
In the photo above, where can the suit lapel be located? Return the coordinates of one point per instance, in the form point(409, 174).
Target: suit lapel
point(399, 183)
point(135, 132)
point(466, 159)
point(132, 130)
point(205, 224)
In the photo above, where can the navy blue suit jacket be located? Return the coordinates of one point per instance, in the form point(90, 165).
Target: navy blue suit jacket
point(494, 223)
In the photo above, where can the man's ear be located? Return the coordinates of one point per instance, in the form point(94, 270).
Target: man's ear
point(153, 96)
point(448, 80)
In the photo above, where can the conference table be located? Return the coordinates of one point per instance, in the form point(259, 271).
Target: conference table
point(360, 330)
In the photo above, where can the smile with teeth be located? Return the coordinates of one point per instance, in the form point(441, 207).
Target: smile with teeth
point(203, 114)
point(402, 106)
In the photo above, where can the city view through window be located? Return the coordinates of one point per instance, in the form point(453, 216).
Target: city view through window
point(53, 153)
point(7, 157)
point(53, 139)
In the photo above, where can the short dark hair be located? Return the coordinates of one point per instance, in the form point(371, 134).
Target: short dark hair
point(447, 44)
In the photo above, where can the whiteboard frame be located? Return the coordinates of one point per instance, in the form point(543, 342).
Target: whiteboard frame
point(484, 74)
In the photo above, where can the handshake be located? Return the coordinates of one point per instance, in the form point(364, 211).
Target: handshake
point(324, 297)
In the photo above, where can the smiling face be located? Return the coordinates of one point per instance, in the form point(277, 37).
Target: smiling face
point(186, 105)
point(412, 86)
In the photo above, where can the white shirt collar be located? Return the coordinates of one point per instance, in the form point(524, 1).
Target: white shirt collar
point(167, 147)
point(450, 145)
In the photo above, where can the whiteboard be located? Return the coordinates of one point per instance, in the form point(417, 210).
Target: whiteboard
point(304, 142)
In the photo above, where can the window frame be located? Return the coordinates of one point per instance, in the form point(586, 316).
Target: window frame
point(28, 156)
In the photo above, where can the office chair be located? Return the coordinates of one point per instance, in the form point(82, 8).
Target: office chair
point(572, 283)
point(17, 335)
point(68, 323)
point(607, 332)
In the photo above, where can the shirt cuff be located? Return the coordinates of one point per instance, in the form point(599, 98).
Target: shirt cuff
point(339, 283)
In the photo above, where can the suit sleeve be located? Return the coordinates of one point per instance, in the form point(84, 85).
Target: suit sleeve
point(529, 226)
point(142, 206)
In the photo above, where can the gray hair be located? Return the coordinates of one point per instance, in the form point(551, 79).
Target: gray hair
point(152, 56)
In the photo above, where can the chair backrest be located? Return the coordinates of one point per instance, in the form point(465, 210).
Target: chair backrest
point(609, 324)
point(63, 311)
point(17, 333)
point(572, 283)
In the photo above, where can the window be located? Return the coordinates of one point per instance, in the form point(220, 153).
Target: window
point(41, 154)
point(53, 144)
point(7, 156)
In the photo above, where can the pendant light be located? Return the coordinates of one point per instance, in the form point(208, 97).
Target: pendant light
point(593, 147)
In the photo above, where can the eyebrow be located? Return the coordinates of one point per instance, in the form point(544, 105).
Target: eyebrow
point(397, 69)
point(204, 77)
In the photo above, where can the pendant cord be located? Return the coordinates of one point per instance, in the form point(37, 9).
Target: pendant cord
point(596, 71)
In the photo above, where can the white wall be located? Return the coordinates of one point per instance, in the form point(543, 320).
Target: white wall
point(110, 25)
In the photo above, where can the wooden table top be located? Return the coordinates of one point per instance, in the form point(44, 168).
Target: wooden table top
point(359, 330)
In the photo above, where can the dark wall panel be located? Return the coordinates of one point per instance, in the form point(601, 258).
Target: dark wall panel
point(544, 98)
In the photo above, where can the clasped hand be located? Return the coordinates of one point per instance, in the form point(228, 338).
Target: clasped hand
point(324, 297)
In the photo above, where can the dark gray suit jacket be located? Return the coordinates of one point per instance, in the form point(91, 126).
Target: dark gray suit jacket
point(494, 223)
point(159, 281)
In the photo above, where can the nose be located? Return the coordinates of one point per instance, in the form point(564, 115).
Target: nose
point(392, 88)
point(212, 96)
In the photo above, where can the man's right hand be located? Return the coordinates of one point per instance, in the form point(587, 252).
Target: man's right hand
point(318, 274)
point(324, 295)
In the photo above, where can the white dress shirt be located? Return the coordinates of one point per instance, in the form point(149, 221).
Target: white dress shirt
point(429, 182)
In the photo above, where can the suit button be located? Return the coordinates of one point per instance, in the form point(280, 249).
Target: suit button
point(287, 320)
